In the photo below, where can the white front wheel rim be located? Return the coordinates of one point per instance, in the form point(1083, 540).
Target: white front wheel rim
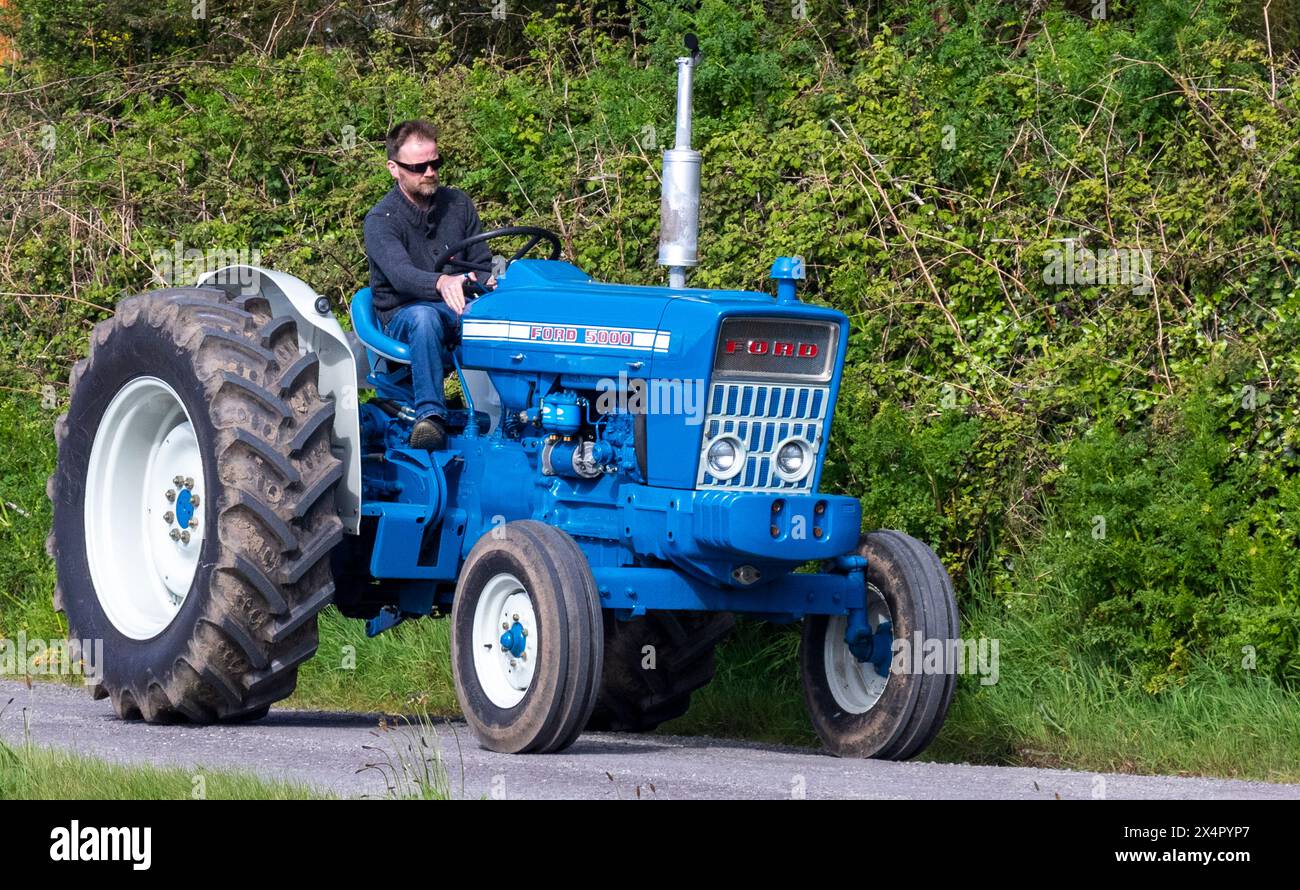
point(145, 490)
point(855, 685)
point(504, 608)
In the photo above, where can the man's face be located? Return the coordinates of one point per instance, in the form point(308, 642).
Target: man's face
point(416, 151)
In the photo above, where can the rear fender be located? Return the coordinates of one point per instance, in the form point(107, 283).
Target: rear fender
point(320, 333)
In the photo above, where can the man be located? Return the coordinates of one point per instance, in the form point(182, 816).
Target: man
point(405, 232)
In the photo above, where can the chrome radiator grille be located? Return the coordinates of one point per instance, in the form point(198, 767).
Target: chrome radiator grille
point(762, 417)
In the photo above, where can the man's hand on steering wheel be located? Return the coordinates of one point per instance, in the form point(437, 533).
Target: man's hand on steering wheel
point(451, 288)
point(455, 288)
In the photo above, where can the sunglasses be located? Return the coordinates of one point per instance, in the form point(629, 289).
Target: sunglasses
point(422, 167)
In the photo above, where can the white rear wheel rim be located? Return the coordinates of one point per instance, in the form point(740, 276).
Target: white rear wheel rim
point(145, 470)
point(855, 685)
point(503, 607)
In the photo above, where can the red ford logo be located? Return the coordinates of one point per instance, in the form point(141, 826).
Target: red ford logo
point(780, 348)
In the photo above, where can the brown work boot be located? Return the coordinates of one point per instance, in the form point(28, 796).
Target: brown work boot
point(429, 434)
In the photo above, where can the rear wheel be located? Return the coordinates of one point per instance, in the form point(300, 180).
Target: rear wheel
point(526, 646)
point(194, 505)
point(863, 706)
point(653, 664)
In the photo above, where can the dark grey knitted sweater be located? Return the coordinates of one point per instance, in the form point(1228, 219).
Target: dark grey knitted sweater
point(402, 241)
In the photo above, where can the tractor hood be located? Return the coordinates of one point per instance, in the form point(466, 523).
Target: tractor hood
point(550, 316)
point(550, 319)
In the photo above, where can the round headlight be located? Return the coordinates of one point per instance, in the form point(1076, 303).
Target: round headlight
point(725, 458)
point(793, 460)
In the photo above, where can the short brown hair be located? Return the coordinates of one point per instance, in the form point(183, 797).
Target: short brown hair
point(419, 127)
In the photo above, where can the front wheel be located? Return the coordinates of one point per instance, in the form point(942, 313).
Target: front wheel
point(892, 703)
point(526, 641)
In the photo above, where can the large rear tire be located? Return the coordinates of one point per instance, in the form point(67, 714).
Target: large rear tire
point(526, 643)
point(867, 708)
point(653, 664)
point(194, 505)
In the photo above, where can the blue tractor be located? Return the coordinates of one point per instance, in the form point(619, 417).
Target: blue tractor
point(631, 467)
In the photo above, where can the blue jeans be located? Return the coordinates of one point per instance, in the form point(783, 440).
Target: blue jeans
point(431, 329)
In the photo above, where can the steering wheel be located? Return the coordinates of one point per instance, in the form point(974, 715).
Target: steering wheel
point(447, 257)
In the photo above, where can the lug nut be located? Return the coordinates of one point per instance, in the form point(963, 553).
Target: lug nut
point(515, 617)
point(194, 522)
point(189, 481)
point(171, 494)
point(168, 517)
point(524, 631)
point(178, 481)
point(505, 625)
point(174, 534)
point(185, 537)
point(194, 500)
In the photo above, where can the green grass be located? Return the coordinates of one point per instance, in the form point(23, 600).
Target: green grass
point(28, 772)
point(26, 573)
point(409, 760)
point(402, 670)
point(1062, 701)
point(1080, 717)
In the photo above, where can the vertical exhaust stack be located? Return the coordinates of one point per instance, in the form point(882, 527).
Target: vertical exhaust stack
point(679, 206)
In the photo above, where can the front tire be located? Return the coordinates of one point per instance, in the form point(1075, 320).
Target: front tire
point(526, 643)
point(866, 708)
point(194, 505)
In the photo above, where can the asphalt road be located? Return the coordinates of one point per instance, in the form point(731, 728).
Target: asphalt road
point(330, 751)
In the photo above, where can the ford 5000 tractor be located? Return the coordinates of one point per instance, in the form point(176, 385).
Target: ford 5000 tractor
point(631, 467)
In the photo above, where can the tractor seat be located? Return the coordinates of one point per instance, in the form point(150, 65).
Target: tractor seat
point(371, 332)
point(393, 382)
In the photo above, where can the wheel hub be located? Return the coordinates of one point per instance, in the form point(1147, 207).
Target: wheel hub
point(185, 504)
point(874, 645)
point(181, 523)
point(514, 640)
point(505, 640)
